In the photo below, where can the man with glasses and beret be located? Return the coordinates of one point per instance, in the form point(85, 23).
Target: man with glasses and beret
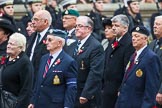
point(56, 82)
point(141, 80)
point(69, 22)
point(36, 48)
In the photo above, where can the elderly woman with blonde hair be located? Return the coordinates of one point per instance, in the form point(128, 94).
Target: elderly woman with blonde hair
point(17, 74)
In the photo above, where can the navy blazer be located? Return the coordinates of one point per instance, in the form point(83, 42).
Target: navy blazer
point(139, 88)
point(58, 88)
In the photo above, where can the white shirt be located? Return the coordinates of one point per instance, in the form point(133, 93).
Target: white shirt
point(139, 52)
point(83, 41)
point(33, 48)
point(70, 31)
point(55, 55)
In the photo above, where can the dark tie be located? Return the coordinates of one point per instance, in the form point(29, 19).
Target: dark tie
point(76, 48)
point(38, 38)
point(157, 45)
point(47, 66)
point(130, 65)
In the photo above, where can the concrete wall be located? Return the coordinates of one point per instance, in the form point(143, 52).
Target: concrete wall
point(146, 9)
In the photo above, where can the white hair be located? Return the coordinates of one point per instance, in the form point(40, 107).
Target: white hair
point(20, 40)
point(158, 17)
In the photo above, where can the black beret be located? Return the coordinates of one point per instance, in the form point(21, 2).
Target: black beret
point(57, 32)
point(141, 29)
point(106, 22)
point(71, 12)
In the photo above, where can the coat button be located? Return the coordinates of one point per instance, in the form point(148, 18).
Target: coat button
point(41, 86)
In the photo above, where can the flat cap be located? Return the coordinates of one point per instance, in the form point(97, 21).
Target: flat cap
point(71, 12)
point(5, 2)
point(34, 1)
point(66, 3)
point(58, 33)
point(141, 29)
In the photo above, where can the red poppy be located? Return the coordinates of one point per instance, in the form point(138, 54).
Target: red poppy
point(115, 44)
point(44, 41)
point(3, 59)
point(58, 62)
point(80, 51)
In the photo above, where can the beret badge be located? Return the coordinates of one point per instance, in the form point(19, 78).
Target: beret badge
point(66, 12)
point(50, 31)
point(137, 28)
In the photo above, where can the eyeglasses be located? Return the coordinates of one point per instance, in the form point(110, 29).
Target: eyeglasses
point(36, 19)
point(49, 39)
point(80, 26)
point(67, 18)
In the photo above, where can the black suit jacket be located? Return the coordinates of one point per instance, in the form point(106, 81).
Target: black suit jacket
point(17, 78)
point(90, 59)
point(115, 63)
point(39, 50)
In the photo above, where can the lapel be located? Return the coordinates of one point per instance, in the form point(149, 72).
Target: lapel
point(122, 42)
point(137, 63)
point(44, 38)
point(54, 65)
point(159, 51)
point(84, 47)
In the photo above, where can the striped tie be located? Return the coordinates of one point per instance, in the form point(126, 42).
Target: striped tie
point(47, 66)
point(131, 64)
point(76, 49)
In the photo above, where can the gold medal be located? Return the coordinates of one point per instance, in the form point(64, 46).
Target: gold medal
point(139, 73)
point(56, 80)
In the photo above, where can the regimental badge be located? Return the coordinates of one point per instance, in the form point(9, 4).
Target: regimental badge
point(137, 28)
point(50, 31)
point(139, 73)
point(82, 65)
point(66, 12)
point(56, 80)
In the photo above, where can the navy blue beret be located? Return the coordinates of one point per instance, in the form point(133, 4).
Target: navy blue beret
point(57, 32)
point(141, 29)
